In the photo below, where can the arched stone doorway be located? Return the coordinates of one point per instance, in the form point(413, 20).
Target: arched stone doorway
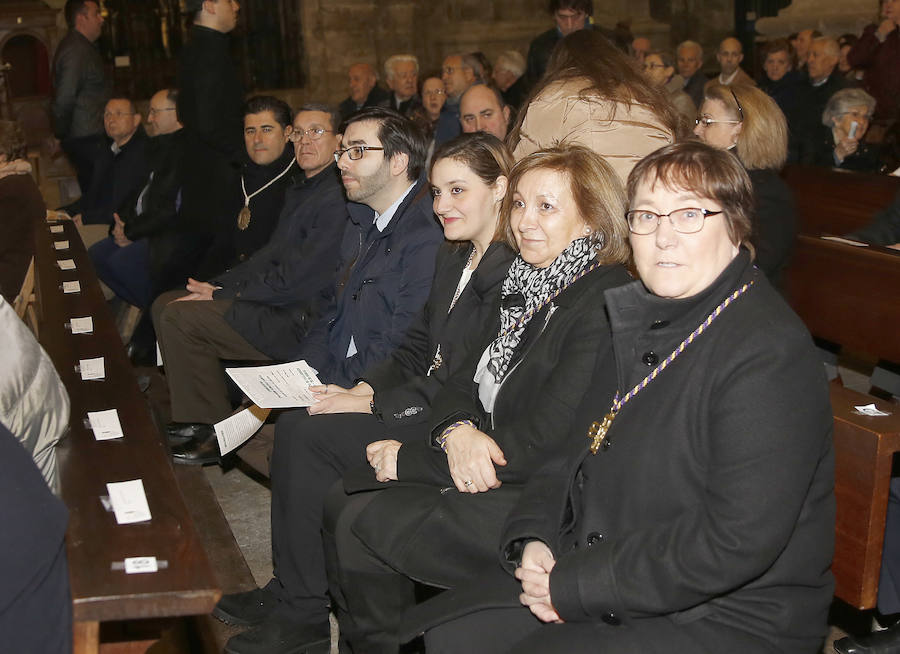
point(29, 73)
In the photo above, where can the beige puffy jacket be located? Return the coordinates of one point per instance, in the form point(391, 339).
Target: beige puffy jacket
point(622, 133)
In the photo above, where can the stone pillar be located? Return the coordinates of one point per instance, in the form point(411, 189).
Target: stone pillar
point(831, 17)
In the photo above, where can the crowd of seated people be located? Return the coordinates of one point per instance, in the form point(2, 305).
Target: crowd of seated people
point(542, 296)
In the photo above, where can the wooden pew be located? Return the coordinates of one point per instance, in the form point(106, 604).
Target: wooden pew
point(187, 586)
point(832, 201)
point(864, 449)
point(847, 295)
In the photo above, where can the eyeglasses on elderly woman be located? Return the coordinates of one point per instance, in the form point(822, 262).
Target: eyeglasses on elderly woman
point(683, 221)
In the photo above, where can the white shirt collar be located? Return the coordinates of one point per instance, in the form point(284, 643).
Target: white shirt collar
point(382, 220)
point(728, 80)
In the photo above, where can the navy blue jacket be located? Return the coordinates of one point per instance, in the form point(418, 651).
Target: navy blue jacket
point(280, 291)
point(382, 283)
point(447, 126)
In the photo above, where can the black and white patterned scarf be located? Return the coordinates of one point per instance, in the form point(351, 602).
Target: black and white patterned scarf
point(524, 291)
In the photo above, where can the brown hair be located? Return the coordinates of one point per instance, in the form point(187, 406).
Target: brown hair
point(483, 153)
point(780, 45)
point(12, 140)
point(597, 191)
point(763, 140)
point(609, 73)
point(710, 173)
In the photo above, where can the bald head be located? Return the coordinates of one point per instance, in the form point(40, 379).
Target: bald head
point(481, 109)
point(362, 80)
point(730, 55)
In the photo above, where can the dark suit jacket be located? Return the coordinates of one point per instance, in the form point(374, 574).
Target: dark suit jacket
point(285, 286)
point(382, 281)
point(442, 538)
point(115, 179)
point(210, 101)
point(807, 120)
point(159, 219)
point(404, 389)
point(80, 89)
point(377, 97)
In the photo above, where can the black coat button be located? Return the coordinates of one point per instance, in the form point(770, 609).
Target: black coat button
point(593, 538)
point(611, 619)
point(659, 324)
point(355, 296)
point(650, 358)
point(607, 443)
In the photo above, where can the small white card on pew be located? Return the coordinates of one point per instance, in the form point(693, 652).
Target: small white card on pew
point(129, 501)
point(159, 361)
point(57, 229)
point(71, 287)
point(61, 245)
point(870, 410)
point(282, 386)
point(140, 564)
point(82, 325)
point(92, 369)
point(236, 430)
point(66, 264)
point(105, 424)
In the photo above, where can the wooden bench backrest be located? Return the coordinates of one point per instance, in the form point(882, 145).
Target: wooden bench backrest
point(864, 450)
point(837, 201)
point(847, 295)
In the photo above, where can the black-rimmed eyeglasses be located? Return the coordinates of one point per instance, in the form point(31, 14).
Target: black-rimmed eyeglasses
point(684, 221)
point(355, 152)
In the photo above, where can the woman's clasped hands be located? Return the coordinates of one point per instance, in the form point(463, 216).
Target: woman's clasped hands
point(382, 455)
point(472, 455)
point(534, 573)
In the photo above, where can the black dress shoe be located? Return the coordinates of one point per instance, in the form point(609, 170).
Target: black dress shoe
point(880, 642)
point(244, 609)
point(179, 433)
point(197, 451)
point(279, 634)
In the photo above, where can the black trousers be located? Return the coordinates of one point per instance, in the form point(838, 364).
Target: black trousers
point(369, 598)
point(82, 152)
point(311, 453)
point(517, 631)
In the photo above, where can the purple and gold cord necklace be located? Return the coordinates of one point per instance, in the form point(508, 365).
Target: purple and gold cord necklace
point(598, 429)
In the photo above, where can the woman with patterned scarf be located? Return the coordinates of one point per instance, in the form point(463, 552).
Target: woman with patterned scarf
point(441, 500)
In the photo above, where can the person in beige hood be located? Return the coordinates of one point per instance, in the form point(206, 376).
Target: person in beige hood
point(593, 94)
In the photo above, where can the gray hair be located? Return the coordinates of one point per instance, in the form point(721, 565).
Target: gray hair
point(397, 59)
point(832, 48)
point(841, 102)
point(690, 44)
point(511, 60)
point(471, 62)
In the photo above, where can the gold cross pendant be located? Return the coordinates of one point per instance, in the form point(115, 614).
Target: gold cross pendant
point(598, 430)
